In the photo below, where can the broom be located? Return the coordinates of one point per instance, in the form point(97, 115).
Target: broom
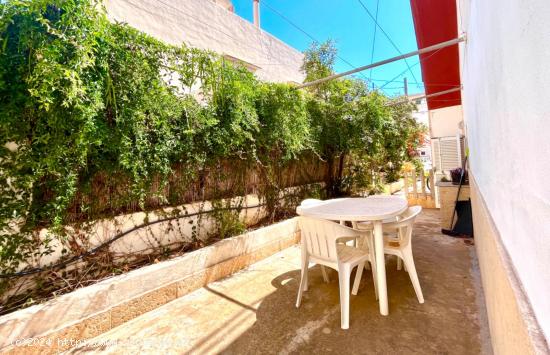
point(453, 232)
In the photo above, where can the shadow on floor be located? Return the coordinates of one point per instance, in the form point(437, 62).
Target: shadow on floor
point(253, 311)
point(448, 323)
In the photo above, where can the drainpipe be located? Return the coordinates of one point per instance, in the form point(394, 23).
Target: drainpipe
point(256, 6)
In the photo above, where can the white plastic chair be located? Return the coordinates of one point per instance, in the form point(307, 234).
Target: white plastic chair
point(398, 242)
point(320, 245)
point(312, 202)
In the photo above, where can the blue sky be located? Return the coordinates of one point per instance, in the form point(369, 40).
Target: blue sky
point(346, 22)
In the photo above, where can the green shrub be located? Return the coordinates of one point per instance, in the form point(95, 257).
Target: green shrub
point(357, 132)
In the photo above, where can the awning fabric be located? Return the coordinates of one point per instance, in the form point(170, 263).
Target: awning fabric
point(435, 21)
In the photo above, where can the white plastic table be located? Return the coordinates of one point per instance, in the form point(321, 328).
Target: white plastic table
point(372, 208)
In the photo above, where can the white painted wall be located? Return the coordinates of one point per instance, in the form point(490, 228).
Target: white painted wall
point(207, 25)
point(151, 237)
point(226, 4)
point(143, 238)
point(506, 78)
point(446, 121)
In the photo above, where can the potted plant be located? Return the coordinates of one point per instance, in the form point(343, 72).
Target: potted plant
point(456, 174)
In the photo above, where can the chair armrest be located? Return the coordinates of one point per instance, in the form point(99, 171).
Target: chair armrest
point(346, 239)
point(363, 226)
point(397, 225)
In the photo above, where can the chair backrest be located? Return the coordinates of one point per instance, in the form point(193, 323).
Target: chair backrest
point(405, 222)
point(409, 214)
point(319, 237)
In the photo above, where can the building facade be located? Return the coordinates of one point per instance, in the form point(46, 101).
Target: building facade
point(421, 115)
point(212, 25)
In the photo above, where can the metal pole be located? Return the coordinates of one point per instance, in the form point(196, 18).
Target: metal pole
point(386, 61)
point(256, 10)
point(425, 96)
point(406, 87)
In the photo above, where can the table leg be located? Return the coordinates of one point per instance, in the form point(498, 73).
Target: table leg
point(380, 267)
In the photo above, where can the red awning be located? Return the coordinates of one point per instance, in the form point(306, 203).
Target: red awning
point(435, 21)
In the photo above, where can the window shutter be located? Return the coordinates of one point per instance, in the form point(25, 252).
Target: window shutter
point(450, 148)
point(447, 153)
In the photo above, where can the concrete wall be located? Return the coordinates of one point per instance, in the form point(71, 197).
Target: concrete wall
point(446, 121)
point(146, 233)
point(207, 25)
point(226, 4)
point(506, 78)
point(147, 230)
point(512, 324)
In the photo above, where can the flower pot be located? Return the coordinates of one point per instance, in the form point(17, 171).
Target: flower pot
point(456, 174)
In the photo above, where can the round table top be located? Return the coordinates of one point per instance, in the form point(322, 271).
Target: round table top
point(372, 208)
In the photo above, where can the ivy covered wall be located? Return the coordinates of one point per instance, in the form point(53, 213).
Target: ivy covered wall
point(87, 105)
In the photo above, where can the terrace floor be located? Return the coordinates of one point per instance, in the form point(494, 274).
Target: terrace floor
point(253, 311)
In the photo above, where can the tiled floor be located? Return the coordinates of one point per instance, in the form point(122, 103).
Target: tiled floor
point(253, 312)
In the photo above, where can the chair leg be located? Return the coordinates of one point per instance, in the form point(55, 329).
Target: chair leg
point(360, 244)
point(373, 264)
point(358, 275)
point(325, 274)
point(399, 263)
point(305, 260)
point(409, 264)
point(373, 269)
point(343, 277)
point(303, 281)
